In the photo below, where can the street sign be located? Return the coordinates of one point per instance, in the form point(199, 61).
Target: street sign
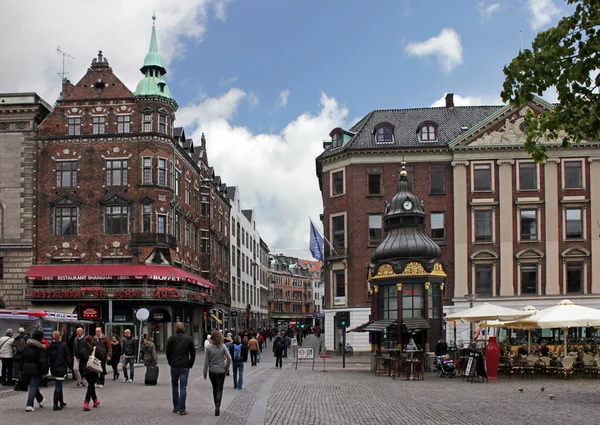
point(306, 353)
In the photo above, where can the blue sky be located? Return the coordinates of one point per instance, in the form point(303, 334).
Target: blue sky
point(266, 80)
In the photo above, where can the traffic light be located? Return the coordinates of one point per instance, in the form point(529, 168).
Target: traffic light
point(343, 319)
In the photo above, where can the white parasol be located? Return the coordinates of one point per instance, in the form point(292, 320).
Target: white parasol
point(487, 312)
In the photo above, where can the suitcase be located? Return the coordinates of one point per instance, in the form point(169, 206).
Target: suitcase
point(151, 375)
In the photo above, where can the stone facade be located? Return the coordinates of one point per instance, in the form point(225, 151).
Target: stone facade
point(20, 115)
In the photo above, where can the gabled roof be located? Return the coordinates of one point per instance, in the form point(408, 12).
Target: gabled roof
point(248, 214)
point(406, 122)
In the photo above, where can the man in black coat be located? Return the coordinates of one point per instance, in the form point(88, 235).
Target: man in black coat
point(181, 355)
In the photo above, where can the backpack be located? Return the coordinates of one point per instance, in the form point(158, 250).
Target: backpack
point(278, 344)
point(20, 344)
point(237, 352)
point(101, 350)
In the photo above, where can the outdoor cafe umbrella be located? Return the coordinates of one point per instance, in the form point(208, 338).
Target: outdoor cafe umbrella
point(517, 324)
point(487, 312)
point(564, 315)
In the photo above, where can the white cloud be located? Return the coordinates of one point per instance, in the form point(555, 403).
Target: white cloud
point(275, 171)
point(223, 82)
point(252, 99)
point(283, 98)
point(121, 29)
point(446, 46)
point(469, 100)
point(543, 13)
point(486, 10)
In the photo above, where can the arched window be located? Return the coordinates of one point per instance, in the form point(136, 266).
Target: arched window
point(337, 139)
point(384, 134)
point(427, 132)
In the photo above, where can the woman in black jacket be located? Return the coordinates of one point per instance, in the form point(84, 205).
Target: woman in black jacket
point(90, 376)
point(115, 360)
point(35, 367)
point(58, 356)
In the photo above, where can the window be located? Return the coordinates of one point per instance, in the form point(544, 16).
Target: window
point(484, 279)
point(413, 300)
point(162, 124)
point(573, 174)
point(147, 123)
point(428, 133)
point(123, 123)
point(339, 280)
point(74, 126)
point(528, 225)
point(375, 229)
point(162, 171)
point(339, 231)
point(177, 181)
point(147, 171)
point(65, 221)
point(147, 218)
point(177, 227)
point(388, 307)
point(337, 180)
point(116, 172)
point(574, 277)
point(205, 206)
point(483, 226)
point(204, 248)
point(374, 181)
point(337, 139)
point(66, 173)
point(437, 226)
point(436, 179)
point(482, 176)
point(297, 308)
point(196, 200)
point(161, 223)
point(98, 125)
point(187, 192)
point(1, 268)
point(196, 238)
point(527, 176)
point(115, 220)
point(233, 227)
point(574, 223)
point(529, 278)
point(384, 134)
point(188, 233)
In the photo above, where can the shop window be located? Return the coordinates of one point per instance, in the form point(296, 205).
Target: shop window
point(413, 300)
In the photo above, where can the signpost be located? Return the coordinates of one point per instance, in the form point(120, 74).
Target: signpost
point(305, 353)
point(142, 314)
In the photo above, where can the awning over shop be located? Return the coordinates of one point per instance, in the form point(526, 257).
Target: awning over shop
point(416, 323)
point(374, 326)
point(58, 308)
point(216, 319)
point(115, 272)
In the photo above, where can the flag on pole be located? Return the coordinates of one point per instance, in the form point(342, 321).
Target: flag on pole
point(316, 243)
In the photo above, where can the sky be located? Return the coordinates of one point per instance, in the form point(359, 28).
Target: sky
point(267, 80)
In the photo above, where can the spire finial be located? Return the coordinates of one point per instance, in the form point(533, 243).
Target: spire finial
point(403, 173)
point(153, 17)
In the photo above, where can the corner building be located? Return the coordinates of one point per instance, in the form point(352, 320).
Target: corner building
point(511, 231)
point(124, 208)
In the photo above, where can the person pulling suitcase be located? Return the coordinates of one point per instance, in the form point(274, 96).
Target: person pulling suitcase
point(151, 362)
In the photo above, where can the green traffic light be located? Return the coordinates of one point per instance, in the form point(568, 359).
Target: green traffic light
point(343, 323)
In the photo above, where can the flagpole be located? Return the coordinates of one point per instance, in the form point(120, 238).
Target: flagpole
point(323, 236)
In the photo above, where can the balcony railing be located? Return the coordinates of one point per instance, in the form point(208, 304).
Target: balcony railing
point(338, 253)
point(159, 240)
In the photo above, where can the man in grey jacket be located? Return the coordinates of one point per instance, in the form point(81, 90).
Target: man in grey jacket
point(181, 355)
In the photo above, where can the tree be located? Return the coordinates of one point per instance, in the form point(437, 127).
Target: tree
point(566, 57)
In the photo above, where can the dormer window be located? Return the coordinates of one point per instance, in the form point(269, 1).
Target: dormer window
point(337, 139)
point(427, 132)
point(383, 133)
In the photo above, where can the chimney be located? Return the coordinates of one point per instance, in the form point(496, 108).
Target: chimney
point(449, 100)
point(66, 88)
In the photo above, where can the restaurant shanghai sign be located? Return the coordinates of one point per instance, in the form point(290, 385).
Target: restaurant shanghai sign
point(98, 292)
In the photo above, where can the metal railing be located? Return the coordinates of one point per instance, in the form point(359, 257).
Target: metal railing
point(161, 240)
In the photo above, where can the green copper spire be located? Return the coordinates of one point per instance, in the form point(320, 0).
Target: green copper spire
point(153, 84)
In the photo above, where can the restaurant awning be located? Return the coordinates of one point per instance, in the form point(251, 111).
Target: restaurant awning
point(374, 326)
point(115, 272)
point(416, 323)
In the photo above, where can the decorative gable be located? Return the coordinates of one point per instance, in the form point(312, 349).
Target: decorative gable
point(116, 199)
point(66, 200)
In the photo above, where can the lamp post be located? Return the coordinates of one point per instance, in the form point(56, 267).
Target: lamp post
point(471, 298)
point(110, 315)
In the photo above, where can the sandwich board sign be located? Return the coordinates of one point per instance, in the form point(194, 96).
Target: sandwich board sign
point(305, 353)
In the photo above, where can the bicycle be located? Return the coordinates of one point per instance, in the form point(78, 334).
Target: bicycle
point(348, 349)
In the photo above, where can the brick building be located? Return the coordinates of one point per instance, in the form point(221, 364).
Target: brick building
point(20, 115)
point(318, 290)
point(511, 231)
point(129, 213)
point(292, 298)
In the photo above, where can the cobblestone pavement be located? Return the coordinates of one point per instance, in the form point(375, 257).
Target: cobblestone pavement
point(345, 397)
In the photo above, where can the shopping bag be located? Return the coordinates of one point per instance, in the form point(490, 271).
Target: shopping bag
point(93, 363)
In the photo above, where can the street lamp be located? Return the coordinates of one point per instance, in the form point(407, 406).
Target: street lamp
point(470, 298)
point(110, 315)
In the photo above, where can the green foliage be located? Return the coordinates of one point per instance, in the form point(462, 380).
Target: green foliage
point(566, 57)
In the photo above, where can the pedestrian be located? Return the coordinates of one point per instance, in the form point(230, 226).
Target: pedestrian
point(129, 350)
point(58, 358)
point(90, 376)
point(35, 367)
point(278, 347)
point(19, 345)
point(253, 347)
point(181, 355)
point(7, 351)
point(216, 368)
point(103, 353)
point(207, 342)
point(239, 356)
point(150, 356)
point(78, 342)
point(115, 359)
